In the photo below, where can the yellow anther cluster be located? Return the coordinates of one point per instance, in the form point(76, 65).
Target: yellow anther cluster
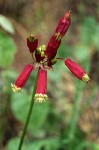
point(41, 97)
point(86, 78)
point(15, 89)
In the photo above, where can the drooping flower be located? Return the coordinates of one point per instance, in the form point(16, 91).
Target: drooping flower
point(41, 88)
point(32, 43)
point(22, 79)
point(77, 70)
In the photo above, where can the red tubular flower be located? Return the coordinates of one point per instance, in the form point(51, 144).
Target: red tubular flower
point(32, 43)
point(77, 70)
point(22, 79)
point(63, 24)
point(41, 89)
point(52, 47)
point(60, 31)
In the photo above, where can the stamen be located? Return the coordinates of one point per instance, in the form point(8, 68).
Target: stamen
point(40, 97)
point(15, 89)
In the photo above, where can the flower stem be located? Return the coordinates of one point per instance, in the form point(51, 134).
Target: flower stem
point(28, 116)
point(60, 58)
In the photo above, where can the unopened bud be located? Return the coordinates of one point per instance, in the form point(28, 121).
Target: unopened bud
point(32, 43)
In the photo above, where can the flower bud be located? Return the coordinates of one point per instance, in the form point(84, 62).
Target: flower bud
point(77, 70)
point(32, 43)
point(63, 24)
point(22, 79)
point(41, 88)
point(52, 47)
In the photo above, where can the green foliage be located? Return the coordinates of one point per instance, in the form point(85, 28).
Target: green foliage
point(88, 41)
point(13, 144)
point(46, 144)
point(20, 105)
point(6, 24)
point(89, 32)
point(7, 50)
point(65, 51)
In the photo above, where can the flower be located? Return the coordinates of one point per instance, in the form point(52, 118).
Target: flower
point(63, 24)
point(32, 43)
point(44, 59)
point(52, 47)
point(22, 79)
point(60, 31)
point(41, 86)
point(77, 70)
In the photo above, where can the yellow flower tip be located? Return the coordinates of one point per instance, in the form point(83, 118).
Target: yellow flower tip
point(15, 89)
point(86, 78)
point(40, 97)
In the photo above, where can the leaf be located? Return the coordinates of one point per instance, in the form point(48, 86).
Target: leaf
point(47, 144)
point(13, 144)
point(6, 24)
point(7, 50)
point(20, 105)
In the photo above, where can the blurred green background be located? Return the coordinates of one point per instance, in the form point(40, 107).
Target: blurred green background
point(69, 120)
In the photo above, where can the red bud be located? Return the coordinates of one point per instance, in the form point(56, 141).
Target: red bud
point(32, 43)
point(64, 24)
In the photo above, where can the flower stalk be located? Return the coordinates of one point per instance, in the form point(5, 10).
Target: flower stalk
point(29, 114)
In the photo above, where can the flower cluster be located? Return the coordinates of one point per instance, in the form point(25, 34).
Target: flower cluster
point(44, 58)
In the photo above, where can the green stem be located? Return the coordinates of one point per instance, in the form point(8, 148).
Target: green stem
point(29, 115)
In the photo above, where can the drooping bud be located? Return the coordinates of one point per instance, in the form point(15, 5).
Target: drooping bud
point(52, 47)
point(22, 79)
point(77, 70)
point(40, 53)
point(63, 24)
point(41, 88)
point(32, 43)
